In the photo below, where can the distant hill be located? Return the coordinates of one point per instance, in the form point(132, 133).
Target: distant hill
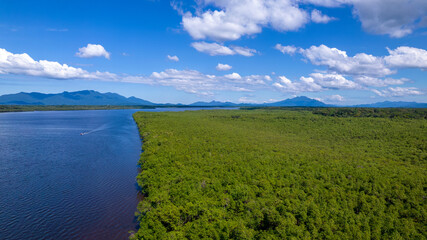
point(214, 104)
point(292, 102)
point(298, 102)
point(388, 104)
point(86, 97)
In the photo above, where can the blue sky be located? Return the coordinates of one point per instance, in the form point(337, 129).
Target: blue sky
point(338, 51)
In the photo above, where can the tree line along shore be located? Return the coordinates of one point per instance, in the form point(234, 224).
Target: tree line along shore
point(30, 108)
point(283, 174)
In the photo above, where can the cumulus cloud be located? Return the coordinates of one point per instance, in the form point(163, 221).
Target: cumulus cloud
point(338, 61)
point(215, 49)
point(398, 92)
point(364, 70)
point(234, 76)
point(286, 49)
point(236, 18)
point(191, 81)
point(366, 64)
point(333, 81)
point(396, 18)
point(222, 20)
point(249, 99)
point(364, 67)
point(304, 85)
point(223, 67)
point(212, 49)
point(173, 58)
point(93, 50)
point(244, 51)
point(334, 98)
point(25, 65)
point(407, 57)
point(315, 82)
point(378, 82)
point(331, 99)
point(318, 17)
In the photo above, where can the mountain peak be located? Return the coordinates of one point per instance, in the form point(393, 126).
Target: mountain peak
point(300, 101)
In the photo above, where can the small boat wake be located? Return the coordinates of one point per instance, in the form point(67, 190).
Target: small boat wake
point(102, 127)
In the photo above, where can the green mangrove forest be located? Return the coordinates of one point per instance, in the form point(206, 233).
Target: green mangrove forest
point(283, 174)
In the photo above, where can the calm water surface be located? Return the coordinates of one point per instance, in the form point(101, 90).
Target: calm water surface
point(57, 184)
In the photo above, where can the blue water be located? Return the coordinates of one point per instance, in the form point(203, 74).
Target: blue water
point(57, 184)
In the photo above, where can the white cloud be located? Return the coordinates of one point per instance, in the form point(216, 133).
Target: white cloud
point(338, 61)
point(364, 67)
point(223, 67)
point(315, 83)
point(331, 99)
point(256, 80)
point(173, 58)
point(212, 49)
point(23, 64)
point(286, 49)
point(334, 98)
point(193, 81)
point(215, 49)
point(249, 99)
point(236, 18)
point(304, 85)
point(244, 51)
point(196, 82)
point(396, 18)
point(234, 76)
point(224, 20)
point(397, 92)
point(318, 17)
point(377, 82)
point(364, 70)
point(407, 57)
point(93, 50)
point(190, 81)
point(333, 81)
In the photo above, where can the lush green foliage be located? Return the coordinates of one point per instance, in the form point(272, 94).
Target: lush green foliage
point(414, 113)
point(27, 108)
point(411, 113)
point(281, 174)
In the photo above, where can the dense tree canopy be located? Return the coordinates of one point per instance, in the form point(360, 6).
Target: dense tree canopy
point(281, 174)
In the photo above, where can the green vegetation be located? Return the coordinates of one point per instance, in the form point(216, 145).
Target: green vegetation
point(281, 174)
point(411, 113)
point(28, 108)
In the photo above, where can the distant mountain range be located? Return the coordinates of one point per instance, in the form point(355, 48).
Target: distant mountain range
point(86, 97)
point(388, 104)
point(90, 97)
